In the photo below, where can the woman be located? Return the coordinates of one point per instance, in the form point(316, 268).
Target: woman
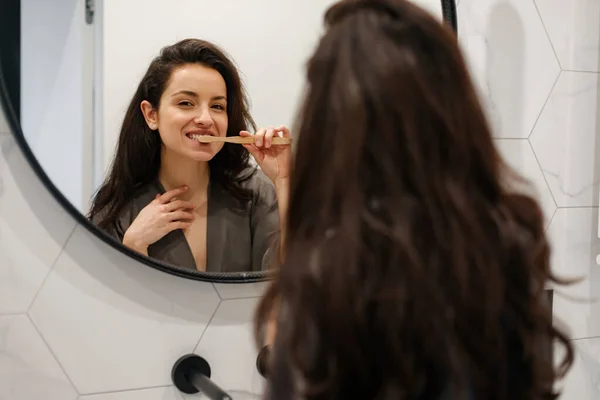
point(170, 197)
point(411, 270)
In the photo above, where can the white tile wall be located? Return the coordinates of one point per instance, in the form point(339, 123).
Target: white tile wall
point(28, 370)
point(79, 320)
point(536, 64)
point(573, 27)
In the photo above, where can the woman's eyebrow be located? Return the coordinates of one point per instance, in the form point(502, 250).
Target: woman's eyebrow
point(195, 95)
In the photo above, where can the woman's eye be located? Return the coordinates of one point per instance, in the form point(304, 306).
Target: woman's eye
point(185, 103)
point(218, 107)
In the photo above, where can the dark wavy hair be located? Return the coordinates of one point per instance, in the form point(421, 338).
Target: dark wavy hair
point(137, 157)
point(412, 270)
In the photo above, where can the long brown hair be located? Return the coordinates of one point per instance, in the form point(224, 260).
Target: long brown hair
point(137, 157)
point(412, 270)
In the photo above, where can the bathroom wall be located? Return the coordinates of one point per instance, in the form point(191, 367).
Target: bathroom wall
point(56, 88)
point(272, 68)
point(80, 321)
point(537, 64)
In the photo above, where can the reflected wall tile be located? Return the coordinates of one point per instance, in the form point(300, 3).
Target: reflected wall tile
point(33, 230)
point(574, 29)
point(115, 324)
point(519, 155)
point(565, 140)
point(239, 291)
point(583, 380)
point(511, 60)
point(574, 246)
point(228, 345)
point(28, 370)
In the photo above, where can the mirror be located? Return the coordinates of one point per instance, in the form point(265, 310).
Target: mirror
point(115, 99)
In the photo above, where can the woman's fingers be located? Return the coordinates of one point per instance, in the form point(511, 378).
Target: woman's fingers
point(268, 137)
point(178, 225)
point(171, 194)
point(179, 205)
point(252, 149)
point(260, 137)
point(255, 152)
point(180, 216)
point(285, 131)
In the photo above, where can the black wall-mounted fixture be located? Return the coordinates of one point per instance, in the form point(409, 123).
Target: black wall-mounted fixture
point(191, 375)
point(262, 361)
point(449, 13)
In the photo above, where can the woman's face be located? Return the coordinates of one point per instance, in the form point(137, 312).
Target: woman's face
point(193, 103)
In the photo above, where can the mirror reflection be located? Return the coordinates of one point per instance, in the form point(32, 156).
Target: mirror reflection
point(172, 197)
point(169, 124)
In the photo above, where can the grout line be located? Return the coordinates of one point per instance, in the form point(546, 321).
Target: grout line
point(216, 290)
point(544, 105)
point(52, 265)
point(243, 298)
point(53, 354)
point(550, 220)
point(543, 173)
point(547, 34)
point(12, 314)
point(206, 327)
point(576, 207)
point(581, 71)
point(584, 338)
point(125, 390)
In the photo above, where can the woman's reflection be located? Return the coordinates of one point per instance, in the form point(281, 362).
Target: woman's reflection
point(168, 196)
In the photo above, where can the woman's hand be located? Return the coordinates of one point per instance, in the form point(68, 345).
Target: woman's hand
point(163, 215)
point(274, 160)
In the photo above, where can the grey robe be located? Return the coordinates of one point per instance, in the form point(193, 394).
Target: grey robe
point(238, 237)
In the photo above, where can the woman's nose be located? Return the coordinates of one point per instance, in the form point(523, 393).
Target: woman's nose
point(204, 119)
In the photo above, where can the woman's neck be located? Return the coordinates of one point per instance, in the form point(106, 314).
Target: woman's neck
point(176, 171)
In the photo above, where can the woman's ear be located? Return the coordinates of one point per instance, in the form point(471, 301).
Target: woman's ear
point(150, 114)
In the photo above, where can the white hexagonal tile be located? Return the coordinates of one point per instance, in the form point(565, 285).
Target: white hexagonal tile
point(583, 379)
point(27, 368)
point(574, 29)
point(511, 60)
point(239, 291)
point(228, 345)
point(575, 245)
point(518, 155)
point(116, 324)
point(566, 140)
point(33, 230)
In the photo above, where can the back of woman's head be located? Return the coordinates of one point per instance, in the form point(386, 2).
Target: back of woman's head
point(410, 268)
point(137, 157)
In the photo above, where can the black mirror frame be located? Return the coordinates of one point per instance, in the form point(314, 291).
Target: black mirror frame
point(10, 75)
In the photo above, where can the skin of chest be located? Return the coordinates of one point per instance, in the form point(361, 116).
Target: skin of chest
point(196, 234)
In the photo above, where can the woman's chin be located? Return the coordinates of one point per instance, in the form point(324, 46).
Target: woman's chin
point(202, 155)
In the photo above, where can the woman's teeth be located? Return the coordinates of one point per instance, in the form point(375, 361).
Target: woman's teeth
point(196, 136)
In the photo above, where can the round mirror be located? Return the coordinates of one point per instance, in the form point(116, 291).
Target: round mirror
point(132, 114)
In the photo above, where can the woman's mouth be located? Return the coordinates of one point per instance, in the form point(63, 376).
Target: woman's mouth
point(197, 136)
